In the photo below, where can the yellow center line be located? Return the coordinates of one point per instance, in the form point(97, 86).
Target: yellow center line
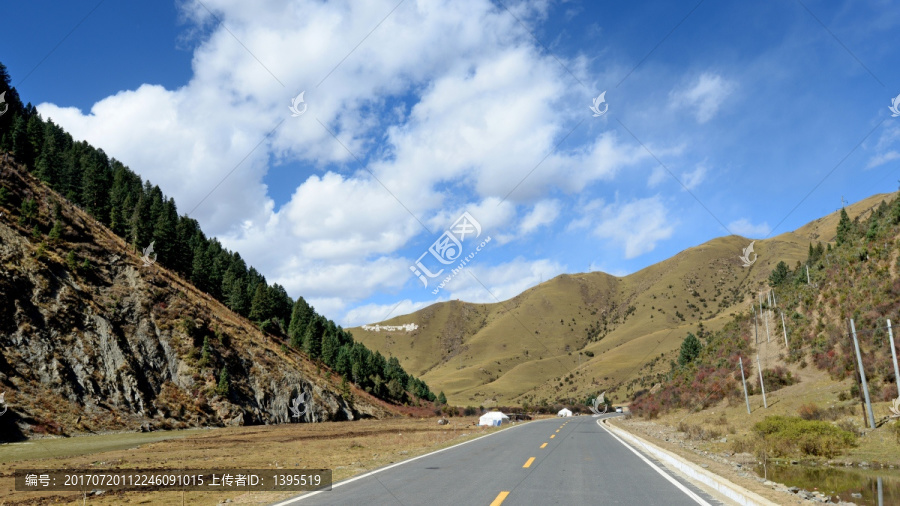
point(528, 463)
point(552, 436)
point(500, 498)
point(557, 430)
point(544, 445)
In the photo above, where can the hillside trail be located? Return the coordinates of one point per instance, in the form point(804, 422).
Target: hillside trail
point(770, 339)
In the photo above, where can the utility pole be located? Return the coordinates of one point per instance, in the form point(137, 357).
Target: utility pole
point(807, 274)
point(755, 325)
point(784, 329)
point(761, 385)
point(766, 318)
point(894, 355)
point(862, 375)
point(744, 381)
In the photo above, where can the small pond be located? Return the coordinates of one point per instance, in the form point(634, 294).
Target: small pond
point(879, 487)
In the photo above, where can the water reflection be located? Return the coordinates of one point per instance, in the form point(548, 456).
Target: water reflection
point(879, 487)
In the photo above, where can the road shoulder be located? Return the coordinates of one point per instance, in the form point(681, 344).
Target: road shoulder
point(728, 483)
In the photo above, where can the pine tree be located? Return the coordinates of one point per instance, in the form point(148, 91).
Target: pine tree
point(395, 390)
point(312, 339)
point(342, 364)
point(204, 354)
point(259, 306)
point(164, 237)
point(13, 107)
point(140, 225)
point(237, 299)
point(779, 274)
point(34, 131)
point(96, 185)
point(20, 145)
point(301, 314)
point(27, 211)
point(224, 383)
point(441, 398)
point(200, 268)
point(895, 209)
point(185, 232)
point(219, 260)
point(345, 389)
point(873, 228)
point(844, 229)
point(690, 350)
point(56, 231)
point(330, 348)
point(49, 165)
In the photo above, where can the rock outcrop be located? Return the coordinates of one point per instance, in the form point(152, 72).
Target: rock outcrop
point(105, 343)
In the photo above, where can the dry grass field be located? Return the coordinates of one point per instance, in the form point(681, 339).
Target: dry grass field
point(348, 448)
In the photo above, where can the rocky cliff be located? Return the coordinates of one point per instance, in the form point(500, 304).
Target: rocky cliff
point(92, 338)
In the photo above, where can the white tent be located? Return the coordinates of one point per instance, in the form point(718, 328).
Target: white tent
point(564, 412)
point(493, 418)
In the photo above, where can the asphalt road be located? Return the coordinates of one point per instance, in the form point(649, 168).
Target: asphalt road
point(557, 461)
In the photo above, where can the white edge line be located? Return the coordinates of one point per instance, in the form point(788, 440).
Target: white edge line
point(664, 474)
point(376, 471)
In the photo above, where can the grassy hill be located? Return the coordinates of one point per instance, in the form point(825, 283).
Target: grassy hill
point(814, 404)
point(577, 335)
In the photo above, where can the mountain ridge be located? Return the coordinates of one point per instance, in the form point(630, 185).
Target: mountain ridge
point(514, 351)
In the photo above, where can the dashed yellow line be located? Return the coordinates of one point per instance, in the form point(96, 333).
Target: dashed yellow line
point(552, 436)
point(557, 430)
point(528, 462)
point(500, 498)
point(544, 445)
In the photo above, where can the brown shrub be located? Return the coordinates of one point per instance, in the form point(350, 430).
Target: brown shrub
point(810, 411)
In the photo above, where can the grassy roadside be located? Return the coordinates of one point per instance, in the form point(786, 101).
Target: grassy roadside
point(348, 448)
point(667, 438)
point(714, 437)
point(722, 427)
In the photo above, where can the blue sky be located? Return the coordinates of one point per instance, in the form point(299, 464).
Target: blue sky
point(722, 117)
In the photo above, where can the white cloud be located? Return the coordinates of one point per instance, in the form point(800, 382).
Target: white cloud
point(657, 176)
point(885, 147)
point(704, 96)
point(882, 159)
point(636, 226)
point(745, 228)
point(450, 106)
point(692, 179)
point(588, 211)
point(324, 279)
point(500, 282)
point(543, 213)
